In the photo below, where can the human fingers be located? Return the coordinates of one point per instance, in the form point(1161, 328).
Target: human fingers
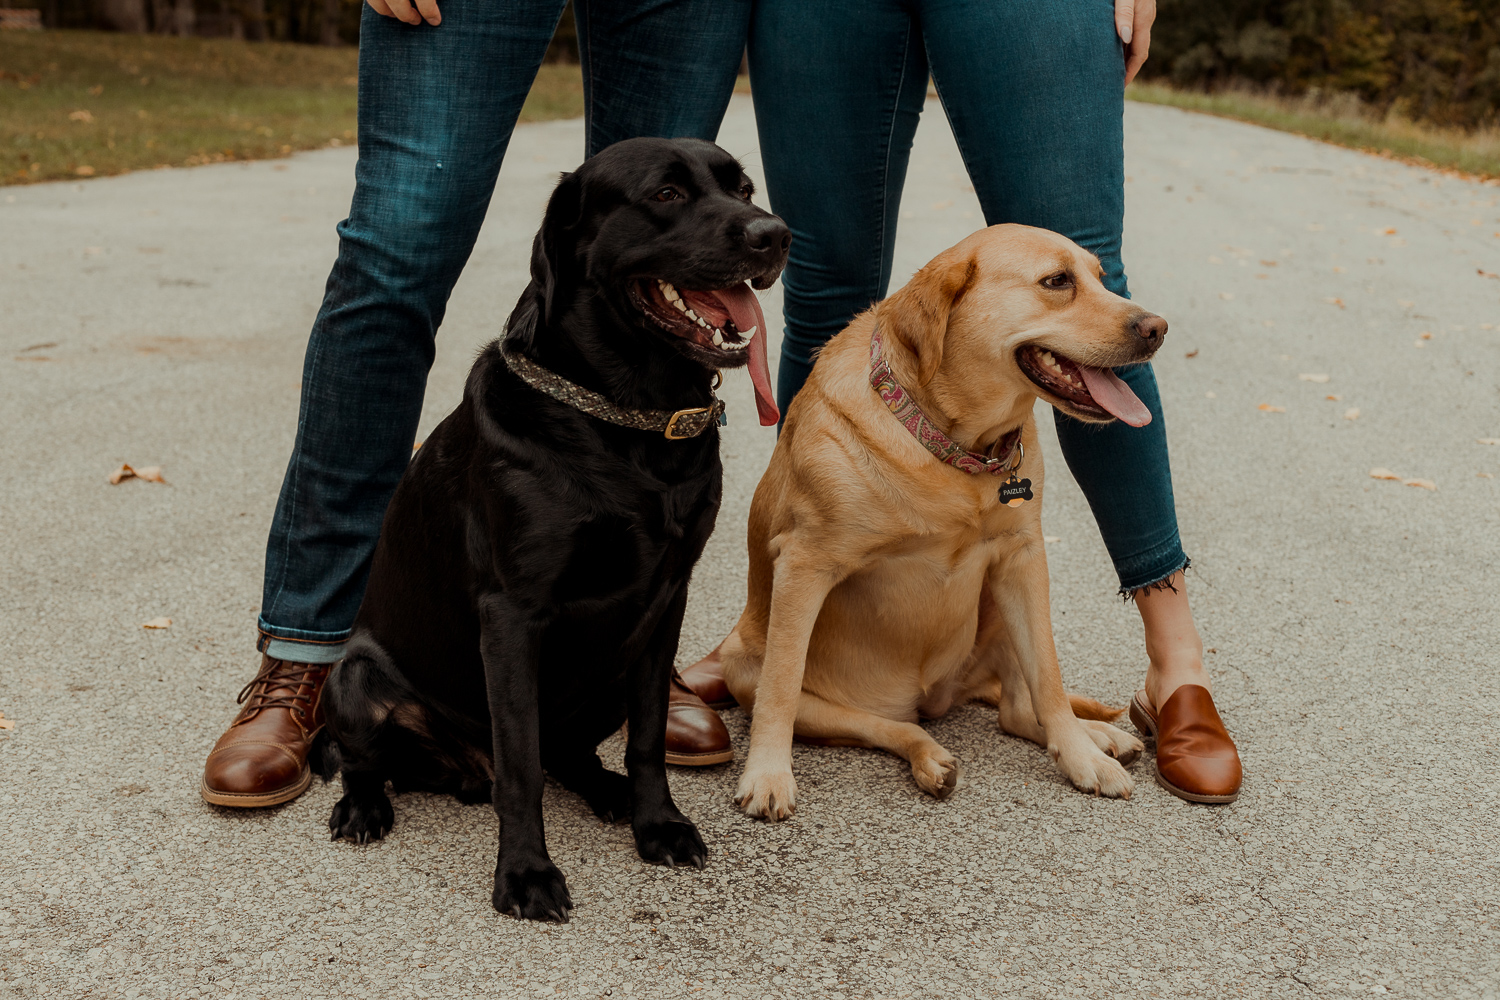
point(402, 10)
point(1125, 19)
point(379, 7)
point(429, 9)
point(1138, 51)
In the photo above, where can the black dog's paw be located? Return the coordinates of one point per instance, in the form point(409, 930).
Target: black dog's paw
point(671, 843)
point(533, 894)
point(362, 817)
point(609, 796)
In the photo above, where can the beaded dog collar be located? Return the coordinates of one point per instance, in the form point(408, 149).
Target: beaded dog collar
point(673, 424)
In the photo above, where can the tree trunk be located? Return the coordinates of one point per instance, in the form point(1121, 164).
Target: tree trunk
point(125, 15)
point(329, 29)
point(253, 12)
point(184, 18)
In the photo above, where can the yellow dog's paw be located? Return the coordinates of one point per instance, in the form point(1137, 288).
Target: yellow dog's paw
point(1116, 742)
point(1090, 770)
point(936, 772)
point(767, 794)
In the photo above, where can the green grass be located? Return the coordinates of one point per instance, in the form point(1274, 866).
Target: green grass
point(1341, 119)
point(83, 104)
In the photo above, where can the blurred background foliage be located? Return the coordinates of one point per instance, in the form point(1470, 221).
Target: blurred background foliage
point(315, 22)
point(1428, 60)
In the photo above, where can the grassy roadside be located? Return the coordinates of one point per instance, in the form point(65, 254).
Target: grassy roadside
point(1342, 120)
point(84, 103)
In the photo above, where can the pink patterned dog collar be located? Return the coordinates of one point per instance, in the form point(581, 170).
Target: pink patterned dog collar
point(921, 427)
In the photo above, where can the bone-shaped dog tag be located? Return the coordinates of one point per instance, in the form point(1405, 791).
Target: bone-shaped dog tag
point(1014, 492)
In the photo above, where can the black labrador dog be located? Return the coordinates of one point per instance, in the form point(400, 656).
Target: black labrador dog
point(527, 592)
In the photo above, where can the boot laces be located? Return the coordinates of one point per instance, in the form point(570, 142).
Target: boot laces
point(295, 684)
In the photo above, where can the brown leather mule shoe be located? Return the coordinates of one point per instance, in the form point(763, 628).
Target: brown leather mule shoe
point(1195, 757)
point(706, 679)
point(696, 735)
point(262, 759)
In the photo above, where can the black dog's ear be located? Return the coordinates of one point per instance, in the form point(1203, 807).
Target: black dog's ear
point(554, 241)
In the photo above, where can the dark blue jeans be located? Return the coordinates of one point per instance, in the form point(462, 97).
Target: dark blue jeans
point(1034, 91)
point(436, 111)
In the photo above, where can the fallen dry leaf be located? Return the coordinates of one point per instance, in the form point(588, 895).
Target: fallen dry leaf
point(1487, 274)
point(1191, 354)
point(1425, 335)
point(6, 723)
point(1051, 538)
point(1426, 484)
point(1226, 296)
point(1269, 263)
point(1379, 473)
point(157, 623)
point(1389, 231)
point(1320, 379)
point(1405, 303)
point(84, 171)
point(150, 473)
point(1488, 440)
point(1335, 302)
point(1211, 395)
point(1268, 408)
point(1352, 413)
point(1484, 475)
point(1334, 397)
point(1419, 343)
point(81, 116)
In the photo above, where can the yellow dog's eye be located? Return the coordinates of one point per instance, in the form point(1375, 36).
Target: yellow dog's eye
point(1062, 279)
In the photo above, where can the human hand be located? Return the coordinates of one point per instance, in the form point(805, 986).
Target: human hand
point(1133, 20)
point(427, 10)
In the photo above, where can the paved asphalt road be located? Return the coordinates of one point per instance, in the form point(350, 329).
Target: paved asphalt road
point(159, 319)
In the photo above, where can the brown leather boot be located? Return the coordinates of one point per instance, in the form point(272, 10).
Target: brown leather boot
point(262, 759)
point(706, 679)
point(695, 734)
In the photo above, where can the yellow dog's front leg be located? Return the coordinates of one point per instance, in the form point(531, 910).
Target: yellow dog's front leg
point(800, 584)
point(1018, 583)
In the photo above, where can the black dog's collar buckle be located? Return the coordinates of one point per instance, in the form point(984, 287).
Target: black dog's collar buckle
point(691, 423)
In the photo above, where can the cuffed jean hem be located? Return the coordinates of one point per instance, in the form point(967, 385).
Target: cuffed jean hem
point(1157, 578)
point(298, 646)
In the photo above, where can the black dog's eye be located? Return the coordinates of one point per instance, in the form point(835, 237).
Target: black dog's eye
point(667, 194)
point(1062, 279)
point(746, 191)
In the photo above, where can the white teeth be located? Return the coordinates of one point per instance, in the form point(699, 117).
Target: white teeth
point(745, 335)
point(669, 292)
point(737, 347)
point(702, 322)
point(691, 315)
point(718, 339)
point(681, 307)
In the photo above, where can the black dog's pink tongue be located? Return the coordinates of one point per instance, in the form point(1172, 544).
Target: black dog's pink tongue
point(744, 309)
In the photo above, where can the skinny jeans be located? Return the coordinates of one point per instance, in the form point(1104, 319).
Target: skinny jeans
point(437, 106)
point(1034, 91)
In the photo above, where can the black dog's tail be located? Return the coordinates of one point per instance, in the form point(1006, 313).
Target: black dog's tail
point(324, 756)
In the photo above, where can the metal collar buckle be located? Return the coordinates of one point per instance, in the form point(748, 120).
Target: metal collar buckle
point(671, 430)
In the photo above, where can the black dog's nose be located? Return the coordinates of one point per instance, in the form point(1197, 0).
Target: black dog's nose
point(767, 233)
point(1151, 328)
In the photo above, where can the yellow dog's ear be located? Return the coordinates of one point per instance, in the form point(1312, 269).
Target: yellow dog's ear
point(917, 315)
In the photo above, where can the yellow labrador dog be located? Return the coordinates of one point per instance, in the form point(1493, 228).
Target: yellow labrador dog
point(896, 558)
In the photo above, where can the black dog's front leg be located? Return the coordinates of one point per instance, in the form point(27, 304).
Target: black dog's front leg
point(663, 835)
point(527, 883)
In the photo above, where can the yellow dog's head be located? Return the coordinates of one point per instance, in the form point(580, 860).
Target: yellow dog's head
point(1013, 312)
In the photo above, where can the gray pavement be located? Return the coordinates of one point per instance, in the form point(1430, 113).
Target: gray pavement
point(1354, 641)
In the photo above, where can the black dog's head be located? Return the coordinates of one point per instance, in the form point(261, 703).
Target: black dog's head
point(661, 233)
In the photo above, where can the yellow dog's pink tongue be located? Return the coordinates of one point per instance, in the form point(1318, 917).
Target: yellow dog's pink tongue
point(744, 309)
point(1115, 396)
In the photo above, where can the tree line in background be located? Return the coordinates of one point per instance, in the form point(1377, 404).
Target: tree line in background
point(316, 22)
point(1430, 60)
